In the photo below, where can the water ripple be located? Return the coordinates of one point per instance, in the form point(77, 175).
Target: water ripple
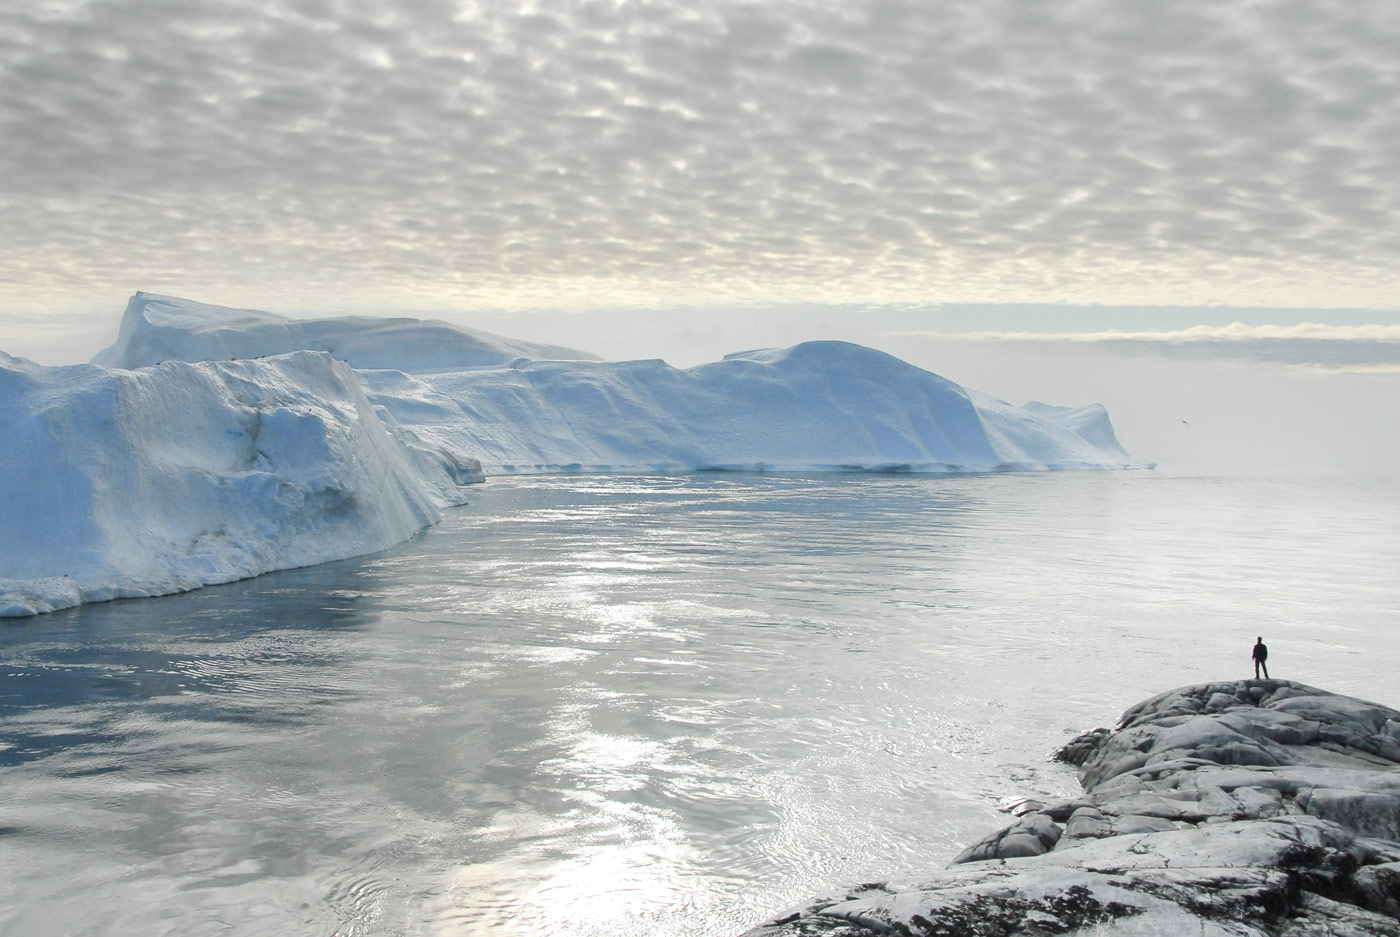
point(644, 706)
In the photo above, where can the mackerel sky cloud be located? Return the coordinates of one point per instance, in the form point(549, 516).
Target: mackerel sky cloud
point(430, 154)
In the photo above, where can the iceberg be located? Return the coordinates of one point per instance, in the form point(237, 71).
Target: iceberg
point(818, 406)
point(118, 483)
point(211, 444)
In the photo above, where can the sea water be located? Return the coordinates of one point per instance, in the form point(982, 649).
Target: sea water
point(648, 705)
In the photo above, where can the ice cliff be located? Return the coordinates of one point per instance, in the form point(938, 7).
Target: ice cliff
point(209, 444)
point(819, 406)
point(146, 482)
point(1252, 808)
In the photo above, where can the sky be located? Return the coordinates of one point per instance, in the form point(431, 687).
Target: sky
point(1089, 194)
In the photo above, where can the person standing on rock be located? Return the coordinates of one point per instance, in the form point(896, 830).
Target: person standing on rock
point(1261, 657)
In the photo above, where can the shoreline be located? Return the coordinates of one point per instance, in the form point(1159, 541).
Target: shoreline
point(1244, 808)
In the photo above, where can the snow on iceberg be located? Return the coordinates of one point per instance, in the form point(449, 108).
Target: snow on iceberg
point(127, 483)
point(818, 406)
point(164, 328)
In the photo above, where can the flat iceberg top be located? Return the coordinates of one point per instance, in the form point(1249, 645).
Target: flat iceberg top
point(169, 312)
point(164, 328)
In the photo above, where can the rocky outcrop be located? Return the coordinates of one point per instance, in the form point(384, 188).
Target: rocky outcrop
point(1250, 808)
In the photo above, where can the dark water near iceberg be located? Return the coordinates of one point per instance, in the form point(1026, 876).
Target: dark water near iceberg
point(647, 706)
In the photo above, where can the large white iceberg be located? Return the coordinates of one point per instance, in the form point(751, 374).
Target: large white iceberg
point(206, 446)
point(819, 406)
point(146, 482)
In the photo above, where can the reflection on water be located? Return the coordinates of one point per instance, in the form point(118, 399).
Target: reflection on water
point(645, 706)
point(233, 653)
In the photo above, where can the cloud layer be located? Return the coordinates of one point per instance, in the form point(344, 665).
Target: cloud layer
point(1355, 348)
point(423, 152)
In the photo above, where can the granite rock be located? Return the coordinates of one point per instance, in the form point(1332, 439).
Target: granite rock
point(1255, 808)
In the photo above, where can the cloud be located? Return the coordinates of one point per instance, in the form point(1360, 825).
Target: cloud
point(593, 151)
point(1372, 348)
point(1234, 332)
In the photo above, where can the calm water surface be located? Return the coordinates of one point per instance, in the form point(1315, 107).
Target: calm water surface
point(647, 706)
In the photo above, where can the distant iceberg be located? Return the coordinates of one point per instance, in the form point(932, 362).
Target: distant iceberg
point(211, 444)
point(818, 406)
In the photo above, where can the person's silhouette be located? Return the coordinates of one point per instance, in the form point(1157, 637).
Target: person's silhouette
point(1261, 657)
